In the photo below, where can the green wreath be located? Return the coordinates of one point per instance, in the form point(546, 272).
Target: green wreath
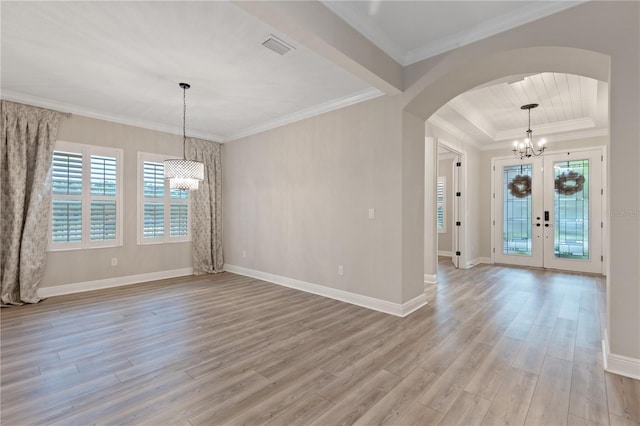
point(569, 183)
point(520, 186)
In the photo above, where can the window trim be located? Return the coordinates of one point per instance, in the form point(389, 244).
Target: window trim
point(167, 239)
point(442, 180)
point(87, 151)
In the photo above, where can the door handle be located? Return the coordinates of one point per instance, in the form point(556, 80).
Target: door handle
point(546, 216)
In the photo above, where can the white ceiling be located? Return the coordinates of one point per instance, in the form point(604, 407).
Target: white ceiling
point(570, 107)
point(410, 31)
point(122, 61)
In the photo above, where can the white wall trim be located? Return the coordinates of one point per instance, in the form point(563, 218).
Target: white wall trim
point(114, 118)
point(584, 134)
point(478, 260)
point(488, 28)
point(364, 95)
point(413, 305)
point(373, 32)
point(430, 279)
point(445, 253)
point(400, 310)
point(619, 364)
point(450, 128)
point(334, 104)
point(111, 282)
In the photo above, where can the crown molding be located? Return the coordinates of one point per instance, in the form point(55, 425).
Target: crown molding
point(487, 29)
point(86, 112)
point(547, 129)
point(473, 116)
point(555, 138)
point(367, 29)
point(453, 130)
point(332, 105)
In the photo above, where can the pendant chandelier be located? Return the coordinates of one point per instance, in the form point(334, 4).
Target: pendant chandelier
point(526, 149)
point(182, 173)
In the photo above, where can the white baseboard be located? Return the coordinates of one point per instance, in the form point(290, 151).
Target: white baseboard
point(397, 309)
point(619, 364)
point(445, 253)
point(478, 260)
point(430, 279)
point(59, 290)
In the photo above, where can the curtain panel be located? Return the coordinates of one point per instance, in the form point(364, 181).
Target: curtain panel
point(27, 141)
point(206, 208)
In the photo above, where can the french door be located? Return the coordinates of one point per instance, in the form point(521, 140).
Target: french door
point(548, 211)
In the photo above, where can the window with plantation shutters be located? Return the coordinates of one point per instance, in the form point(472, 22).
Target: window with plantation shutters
point(103, 198)
point(441, 204)
point(153, 205)
point(86, 200)
point(66, 207)
point(163, 213)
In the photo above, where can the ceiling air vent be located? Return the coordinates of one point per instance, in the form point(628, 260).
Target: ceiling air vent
point(277, 45)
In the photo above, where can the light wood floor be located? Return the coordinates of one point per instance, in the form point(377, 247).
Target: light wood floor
point(495, 346)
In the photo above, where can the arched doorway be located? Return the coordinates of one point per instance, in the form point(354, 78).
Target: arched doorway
point(449, 77)
point(487, 69)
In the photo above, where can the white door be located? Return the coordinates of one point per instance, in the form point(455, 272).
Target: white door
point(518, 212)
point(548, 211)
point(573, 199)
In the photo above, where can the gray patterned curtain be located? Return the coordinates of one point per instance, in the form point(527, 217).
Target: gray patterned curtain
point(206, 208)
point(28, 136)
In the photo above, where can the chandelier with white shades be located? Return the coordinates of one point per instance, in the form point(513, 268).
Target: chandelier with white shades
point(182, 173)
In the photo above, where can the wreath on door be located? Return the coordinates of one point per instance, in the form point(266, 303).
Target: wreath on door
point(520, 186)
point(569, 183)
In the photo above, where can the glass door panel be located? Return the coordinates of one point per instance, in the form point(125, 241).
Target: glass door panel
point(571, 208)
point(517, 203)
point(518, 232)
point(573, 196)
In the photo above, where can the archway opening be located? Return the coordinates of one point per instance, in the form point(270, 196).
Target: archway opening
point(451, 82)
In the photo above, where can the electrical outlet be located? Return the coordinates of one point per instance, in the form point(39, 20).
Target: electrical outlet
point(372, 213)
point(340, 270)
point(114, 261)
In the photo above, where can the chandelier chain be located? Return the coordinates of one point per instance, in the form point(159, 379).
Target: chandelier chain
point(184, 121)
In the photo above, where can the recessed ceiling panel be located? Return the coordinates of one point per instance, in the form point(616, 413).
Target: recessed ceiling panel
point(492, 113)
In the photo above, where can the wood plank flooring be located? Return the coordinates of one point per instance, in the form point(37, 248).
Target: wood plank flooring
point(495, 346)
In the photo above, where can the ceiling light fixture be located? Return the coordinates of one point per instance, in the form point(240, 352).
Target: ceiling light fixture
point(525, 149)
point(182, 173)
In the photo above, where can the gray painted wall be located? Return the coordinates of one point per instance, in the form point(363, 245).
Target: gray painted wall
point(75, 266)
point(306, 187)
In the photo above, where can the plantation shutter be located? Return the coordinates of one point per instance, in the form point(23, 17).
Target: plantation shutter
point(440, 204)
point(179, 213)
point(103, 198)
point(153, 193)
point(67, 197)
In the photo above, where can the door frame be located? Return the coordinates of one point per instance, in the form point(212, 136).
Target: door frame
point(459, 184)
point(604, 205)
